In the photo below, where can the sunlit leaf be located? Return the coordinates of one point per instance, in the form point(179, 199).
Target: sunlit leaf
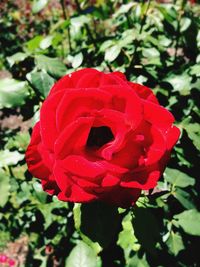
point(81, 256)
point(180, 83)
point(52, 66)
point(41, 81)
point(184, 198)
point(12, 93)
point(112, 53)
point(46, 42)
point(178, 178)
point(189, 221)
point(4, 188)
point(175, 243)
point(38, 5)
point(16, 58)
point(77, 60)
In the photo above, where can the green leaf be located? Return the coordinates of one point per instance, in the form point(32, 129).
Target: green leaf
point(20, 141)
point(184, 24)
point(180, 83)
point(34, 44)
point(46, 42)
point(52, 66)
point(41, 81)
point(98, 222)
point(12, 93)
point(127, 239)
point(105, 45)
point(193, 131)
point(4, 188)
point(16, 58)
point(146, 230)
point(178, 178)
point(124, 9)
point(168, 12)
point(138, 262)
point(150, 52)
point(39, 193)
point(195, 70)
point(127, 38)
point(175, 243)
point(77, 60)
point(112, 53)
point(189, 220)
point(38, 5)
point(82, 256)
point(151, 56)
point(9, 158)
point(184, 198)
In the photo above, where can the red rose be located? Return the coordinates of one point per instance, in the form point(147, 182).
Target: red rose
point(100, 137)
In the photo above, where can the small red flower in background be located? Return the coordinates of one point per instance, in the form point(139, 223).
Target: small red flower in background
point(100, 137)
point(3, 258)
point(6, 261)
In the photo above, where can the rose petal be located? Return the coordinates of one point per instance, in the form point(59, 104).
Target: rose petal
point(71, 80)
point(49, 131)
point(77, 165)
point(69, 190)
point(33, 157)
point(133, 106)
point(73, 138)
point(144, 92)
point(110, 180)
point(158, 116)
point(172, 136)
point(50, 185)
point(157, 148)
point(144, 180)
point(80, 103)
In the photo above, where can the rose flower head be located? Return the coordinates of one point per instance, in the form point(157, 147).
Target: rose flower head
point(100, 137)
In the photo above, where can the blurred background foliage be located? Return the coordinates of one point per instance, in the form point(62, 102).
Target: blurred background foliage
point(156, 43)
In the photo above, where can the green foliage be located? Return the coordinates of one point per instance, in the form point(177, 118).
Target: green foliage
point(38, 5)
point(189, 221)
point(82, 255)
point(52, 66)
point(156, 44)
point(41, 81)
point(178, 178)
point(5, 188)
point(175, 243)
point(12, 93)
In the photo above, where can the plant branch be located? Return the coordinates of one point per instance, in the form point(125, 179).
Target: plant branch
point(178, 34)
point(62, 2)
point(85, 25)
point(137, 42)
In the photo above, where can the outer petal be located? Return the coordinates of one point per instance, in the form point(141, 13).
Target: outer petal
point(33, 158)
point(70, 190)
point(144, 92)
point(79, 166)
point(144, 179)
point(158, 116)
point(172, 137)
point(49, 130)
point(50, 185)
point(71, 80)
